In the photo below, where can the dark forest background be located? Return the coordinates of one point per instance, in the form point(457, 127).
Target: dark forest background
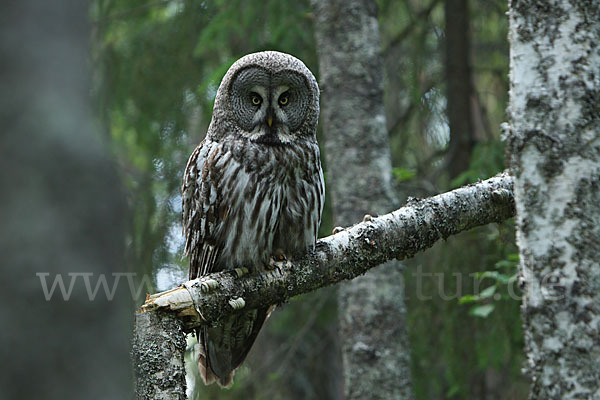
point(157, 66)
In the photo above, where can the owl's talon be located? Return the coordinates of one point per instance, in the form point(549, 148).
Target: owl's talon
point(337, 229)
point(237, 304)
point(208, 285)
point(278, 258)
point(279, 255)
point(275, 268)
point(276, 261)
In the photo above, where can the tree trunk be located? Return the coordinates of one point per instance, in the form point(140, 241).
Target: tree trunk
point(459, 87)
point(372, 311)
point(554, 155)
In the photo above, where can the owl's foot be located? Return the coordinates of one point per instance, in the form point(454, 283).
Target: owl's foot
point(277, 260)
point(279, 255)
point(208, 285)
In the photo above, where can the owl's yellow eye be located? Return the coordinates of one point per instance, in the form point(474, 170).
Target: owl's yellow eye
point(256, 99)
point(283, 99)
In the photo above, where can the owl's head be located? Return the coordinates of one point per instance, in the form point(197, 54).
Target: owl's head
point(270, 98)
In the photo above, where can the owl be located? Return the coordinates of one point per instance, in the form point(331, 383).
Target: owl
point(253, 189)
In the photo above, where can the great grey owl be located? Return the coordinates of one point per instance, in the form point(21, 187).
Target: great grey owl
point(252, 189)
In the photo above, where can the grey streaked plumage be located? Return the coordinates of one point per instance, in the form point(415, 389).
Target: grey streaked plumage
point(253, 187)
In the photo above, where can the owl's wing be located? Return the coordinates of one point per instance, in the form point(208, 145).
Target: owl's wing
point(222, 348)
point(200, 211)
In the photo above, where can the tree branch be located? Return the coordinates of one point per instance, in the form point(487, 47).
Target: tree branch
point(344, 255)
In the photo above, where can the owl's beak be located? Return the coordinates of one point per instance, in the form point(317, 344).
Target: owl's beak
point(270, 116)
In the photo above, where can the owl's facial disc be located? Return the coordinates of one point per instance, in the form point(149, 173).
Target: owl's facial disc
point(270, 122)
point(269, 107)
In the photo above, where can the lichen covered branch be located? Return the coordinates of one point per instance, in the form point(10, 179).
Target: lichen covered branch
point(344, 255)
point(157, 356)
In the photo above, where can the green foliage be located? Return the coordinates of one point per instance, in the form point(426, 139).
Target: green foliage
point(503, 278)
point(475, 316)
point(403, 174)
point(486, 161)
point(482, 311)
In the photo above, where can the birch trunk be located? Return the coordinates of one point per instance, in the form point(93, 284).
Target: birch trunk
point(555, 158)
point(372, 312)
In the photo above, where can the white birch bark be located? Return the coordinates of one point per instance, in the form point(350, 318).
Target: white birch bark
point(554, 156)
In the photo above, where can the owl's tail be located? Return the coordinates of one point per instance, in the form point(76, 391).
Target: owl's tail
point(223, 348)
point(208, 376)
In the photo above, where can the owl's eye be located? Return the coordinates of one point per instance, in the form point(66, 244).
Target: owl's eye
point(283, 99)
point(256, 99)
